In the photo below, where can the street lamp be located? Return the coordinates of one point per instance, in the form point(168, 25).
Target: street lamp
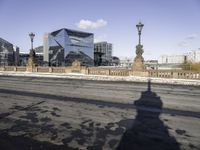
point(138, 64)
point(32, 35)
point(139, 27)
point(31, 60)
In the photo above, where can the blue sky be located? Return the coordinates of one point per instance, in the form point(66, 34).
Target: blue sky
point(170, 26)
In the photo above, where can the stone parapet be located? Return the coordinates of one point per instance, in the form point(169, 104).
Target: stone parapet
point(140, 73)
point(123, 72)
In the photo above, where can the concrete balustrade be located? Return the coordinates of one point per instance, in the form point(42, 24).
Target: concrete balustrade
point(21, 69)
point(177, 74)
point(58, 69)
point(42, 69)
point(98, 71)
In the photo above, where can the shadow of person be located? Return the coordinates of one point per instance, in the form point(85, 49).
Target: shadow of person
point(148, 132)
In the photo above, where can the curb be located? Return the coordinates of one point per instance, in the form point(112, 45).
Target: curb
point(104, 78)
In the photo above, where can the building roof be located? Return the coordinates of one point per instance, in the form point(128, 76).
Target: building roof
point(2, 40)
point(71, 32)
point(39, 49)
point(102, 42)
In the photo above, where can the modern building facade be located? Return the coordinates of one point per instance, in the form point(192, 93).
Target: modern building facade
point(115, 61)
point(39, 49)
point(151, 64)
point(64, 46)
point(103, 53)
point(194, 56)
point(16, 55)
point(172, 59)
point(126, 62)
point(9, 54)
point(23, 58)
point(39, 55)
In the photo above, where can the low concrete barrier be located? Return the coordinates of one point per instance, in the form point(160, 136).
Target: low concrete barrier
point(176, 74)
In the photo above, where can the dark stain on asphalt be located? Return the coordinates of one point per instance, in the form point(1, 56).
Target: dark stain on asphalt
point(180, 132)
point(112, 143)
point(8, 142)
point(55, 114)
point(17, 107)
point(66, 125)
point(31, 116)
point(3, 115)
point(44, 111)
point(56, 109)
point(192, 146)
point(45, 119)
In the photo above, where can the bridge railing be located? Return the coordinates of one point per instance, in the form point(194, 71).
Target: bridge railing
point(108, 71)
point(177, 74)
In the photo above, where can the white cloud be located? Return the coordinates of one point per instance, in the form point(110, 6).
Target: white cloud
point(183, 44)
point(88, 24)
point(187, 40)
point(191, 37)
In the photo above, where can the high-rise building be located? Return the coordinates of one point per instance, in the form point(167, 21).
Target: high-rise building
point(126, 62)
point(172, 59)
point(9, 54)
point(194, 56)
point(16, 55)
point(64, 46)
point(23, 58)
point(39, 56)
point(103, 53)
point(39, 49)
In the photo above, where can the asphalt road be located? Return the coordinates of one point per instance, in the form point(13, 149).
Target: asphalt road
point(44, 113)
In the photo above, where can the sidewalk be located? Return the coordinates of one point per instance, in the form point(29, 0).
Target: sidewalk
point(103, 78)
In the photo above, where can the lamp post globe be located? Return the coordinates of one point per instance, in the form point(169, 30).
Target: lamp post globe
point(139, 28)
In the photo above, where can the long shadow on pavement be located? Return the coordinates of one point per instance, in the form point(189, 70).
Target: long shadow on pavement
point(148, 131)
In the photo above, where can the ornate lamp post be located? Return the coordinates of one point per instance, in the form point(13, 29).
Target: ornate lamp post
point(138, 64)
point(31, 60)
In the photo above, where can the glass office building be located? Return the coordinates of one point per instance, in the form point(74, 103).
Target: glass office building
point(9, 54)
point(64, 46)
point(103, 51)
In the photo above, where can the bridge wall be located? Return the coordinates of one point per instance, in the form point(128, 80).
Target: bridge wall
point(177, 74)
